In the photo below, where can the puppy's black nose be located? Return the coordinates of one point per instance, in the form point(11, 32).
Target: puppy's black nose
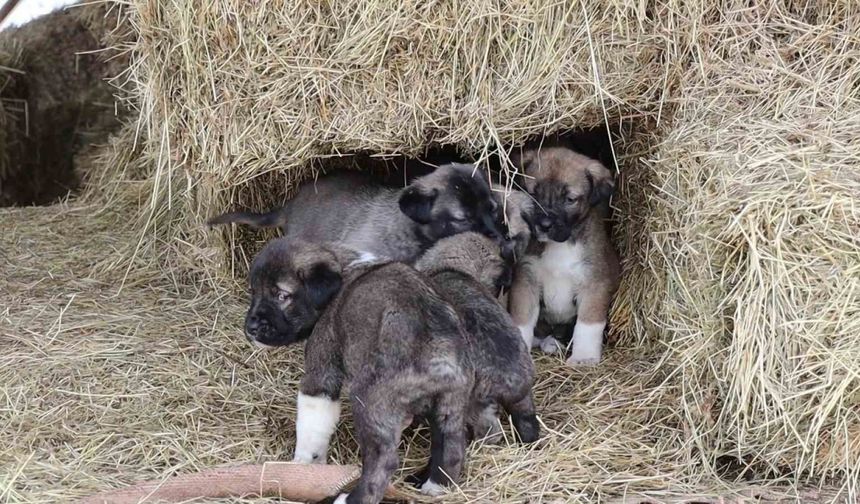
point(544, 224)
point(252, 323)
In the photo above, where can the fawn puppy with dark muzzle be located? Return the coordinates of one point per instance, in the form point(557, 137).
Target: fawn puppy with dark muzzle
point(402, 348)
point(571, 269)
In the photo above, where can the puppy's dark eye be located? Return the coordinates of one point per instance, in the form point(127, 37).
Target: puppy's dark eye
point(284, 296)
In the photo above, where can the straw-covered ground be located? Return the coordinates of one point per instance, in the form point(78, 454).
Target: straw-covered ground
point(734, 367)
point(106, 383)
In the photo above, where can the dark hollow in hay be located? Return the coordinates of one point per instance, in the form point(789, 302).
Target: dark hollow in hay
point(398, 171)
point(55, 102)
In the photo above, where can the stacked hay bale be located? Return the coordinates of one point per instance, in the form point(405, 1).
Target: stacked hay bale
point(55, 101)
point(737, 216)
point(751, 270)
point(261, 95)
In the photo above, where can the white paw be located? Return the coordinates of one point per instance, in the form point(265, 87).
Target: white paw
point(587, 344)
point(527, 332)
point(432, 488)
point(309, 458)
point(573, 361)
point(341, 499)
point(316, 421)
point(550, 345)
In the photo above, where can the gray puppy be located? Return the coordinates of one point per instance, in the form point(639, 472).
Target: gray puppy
point(389, 223)
point(401, 346)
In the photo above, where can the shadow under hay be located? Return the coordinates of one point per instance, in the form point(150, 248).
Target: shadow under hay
point(270, 191)
point(54, 102)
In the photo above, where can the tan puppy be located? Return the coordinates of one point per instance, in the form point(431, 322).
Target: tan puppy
point(571, 268)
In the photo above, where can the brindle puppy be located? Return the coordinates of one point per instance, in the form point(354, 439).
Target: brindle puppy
point(574, 270)
point(467, 270)
point(401, 346)
point(348, 209)
point(383, 329)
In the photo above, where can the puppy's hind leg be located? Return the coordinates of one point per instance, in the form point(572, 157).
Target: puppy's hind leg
point(523, 417)
point(377, 422)
point(524, 301)
point(448, 443)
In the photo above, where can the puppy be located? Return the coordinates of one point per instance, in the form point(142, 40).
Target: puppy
point(572, 270)
point(402, 348)
point(384, 330)
point(394, 224)
point(467, 270)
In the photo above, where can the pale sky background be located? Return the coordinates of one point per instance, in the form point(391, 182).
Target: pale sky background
point(29, 9)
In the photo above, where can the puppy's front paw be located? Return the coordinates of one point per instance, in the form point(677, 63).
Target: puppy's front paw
point(582, 360)
point(309, 458)
point(587, 344)
point(432, 488)
point(550, 345)
point(341, 499)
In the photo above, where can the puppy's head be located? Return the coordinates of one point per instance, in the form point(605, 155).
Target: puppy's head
point(291, 284)
point(472, 254)
point(565, 186)
point(455, 198)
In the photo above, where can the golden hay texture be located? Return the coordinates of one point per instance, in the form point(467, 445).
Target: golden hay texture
point(736, 364)
point(749, 266)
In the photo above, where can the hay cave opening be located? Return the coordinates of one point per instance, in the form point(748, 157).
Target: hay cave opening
point(607, 144)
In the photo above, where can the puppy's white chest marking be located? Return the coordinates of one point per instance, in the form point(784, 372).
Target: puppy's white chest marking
point(561, 269)
point(364, 258)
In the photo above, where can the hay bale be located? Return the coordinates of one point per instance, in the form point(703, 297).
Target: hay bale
point(261, 95)
point(55, 101)
point(747, 262)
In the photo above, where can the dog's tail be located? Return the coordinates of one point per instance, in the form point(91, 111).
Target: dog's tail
point(274, 218)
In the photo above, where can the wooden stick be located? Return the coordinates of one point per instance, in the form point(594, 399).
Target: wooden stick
point(297, 482)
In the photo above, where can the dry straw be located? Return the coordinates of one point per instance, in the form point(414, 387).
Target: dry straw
point(736, 369)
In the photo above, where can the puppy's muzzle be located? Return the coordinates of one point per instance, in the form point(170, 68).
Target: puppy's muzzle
point(544, 224)
point(256, 327)
point(554, 227)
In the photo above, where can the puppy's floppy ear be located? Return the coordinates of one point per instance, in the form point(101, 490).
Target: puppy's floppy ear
point(417, 203)
point(322, 281)
point(521, 158)
point(600, 180)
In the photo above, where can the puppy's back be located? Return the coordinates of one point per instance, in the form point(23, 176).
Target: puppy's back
point(328, 210)
point(502, 362)
point(390, 318)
